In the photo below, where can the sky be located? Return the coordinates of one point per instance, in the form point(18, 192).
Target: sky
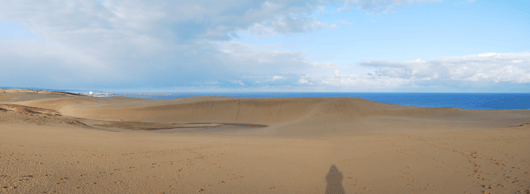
point(266, 45)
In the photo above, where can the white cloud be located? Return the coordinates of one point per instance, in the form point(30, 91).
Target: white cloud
point(487, 67)
point(237, 82)
point(344, 22)
point(337, 73)
point(380, 6)
point(286, 25)
point(277, 77)
point(487, 54)
point(247, 59)
point(303, 81)
point(261, 30)
point(363, 80)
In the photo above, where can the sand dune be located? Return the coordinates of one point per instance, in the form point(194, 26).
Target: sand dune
point(56, 143)
point(338, 115)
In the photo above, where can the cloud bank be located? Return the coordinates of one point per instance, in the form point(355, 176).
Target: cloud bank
point(148, 43)
point(171, 44)
point(480, 68)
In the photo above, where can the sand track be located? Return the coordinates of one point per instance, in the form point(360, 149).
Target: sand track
point(135, 125)
point(5, 97)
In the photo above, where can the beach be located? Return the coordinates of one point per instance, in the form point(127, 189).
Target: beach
point(64, 143)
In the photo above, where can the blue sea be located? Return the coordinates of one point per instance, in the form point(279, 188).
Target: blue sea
point(478, 101)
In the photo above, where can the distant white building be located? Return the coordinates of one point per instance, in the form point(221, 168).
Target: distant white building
point(90, 93)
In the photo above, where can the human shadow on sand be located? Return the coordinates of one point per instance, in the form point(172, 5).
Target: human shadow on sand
point(334, 179)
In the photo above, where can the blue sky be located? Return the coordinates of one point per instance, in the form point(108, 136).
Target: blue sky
point(237, 45)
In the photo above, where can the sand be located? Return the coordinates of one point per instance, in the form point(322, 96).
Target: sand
point(63, 143)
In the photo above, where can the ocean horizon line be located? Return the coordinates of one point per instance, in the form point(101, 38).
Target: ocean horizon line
point(80, 91)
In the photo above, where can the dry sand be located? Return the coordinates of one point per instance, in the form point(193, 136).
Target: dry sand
point(63, 143)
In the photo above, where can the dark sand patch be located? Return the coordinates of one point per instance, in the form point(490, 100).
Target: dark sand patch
point(28, 109)
point(135, 125)
point(13, 113)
